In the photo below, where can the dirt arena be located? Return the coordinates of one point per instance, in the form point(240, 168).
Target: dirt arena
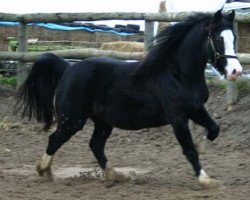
point(163, 172)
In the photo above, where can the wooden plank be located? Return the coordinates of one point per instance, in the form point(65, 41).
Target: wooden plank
point(180, 16)
point(244, 58)
point(22, 47)
point(73, 54)
point(232, 94)
point(149, 34)
point(242, 17)
point(70, 17)
point(91, 16)
point(84, 53)
point(10, 17)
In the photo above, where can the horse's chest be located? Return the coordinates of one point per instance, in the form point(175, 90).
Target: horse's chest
point(182, 102)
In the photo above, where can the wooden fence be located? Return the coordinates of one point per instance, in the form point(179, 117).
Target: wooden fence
point(22, 56)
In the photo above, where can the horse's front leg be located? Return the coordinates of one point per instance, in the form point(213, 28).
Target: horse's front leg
point(184, 138)
point(202, 118)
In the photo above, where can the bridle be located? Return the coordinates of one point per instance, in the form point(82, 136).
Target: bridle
point(217, 55)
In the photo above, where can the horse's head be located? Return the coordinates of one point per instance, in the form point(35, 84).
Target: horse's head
point(221, 44)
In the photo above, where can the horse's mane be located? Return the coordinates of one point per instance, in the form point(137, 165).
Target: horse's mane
point(165, 43)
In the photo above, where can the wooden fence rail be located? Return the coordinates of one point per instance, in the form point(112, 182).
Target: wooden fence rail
point(73, 54)
point(85, 53)
point(91, 16)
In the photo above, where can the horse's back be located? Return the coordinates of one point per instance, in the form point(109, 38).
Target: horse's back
point(88, 81)
point(98, 67)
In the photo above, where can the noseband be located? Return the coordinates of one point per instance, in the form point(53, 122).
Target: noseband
point(217, 55)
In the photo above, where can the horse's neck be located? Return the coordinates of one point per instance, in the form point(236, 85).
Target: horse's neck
point(192, 57)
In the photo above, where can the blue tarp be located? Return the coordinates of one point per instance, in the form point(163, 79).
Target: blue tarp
point(65, 28)
point(9, 23)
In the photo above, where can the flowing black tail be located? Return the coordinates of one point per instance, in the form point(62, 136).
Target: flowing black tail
point(36, 95)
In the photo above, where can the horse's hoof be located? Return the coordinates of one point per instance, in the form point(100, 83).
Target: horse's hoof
point(109, 184)
point(200, 148)
point(136, 179)
point(116, 176)
point(110, 174)
point(230, 107)
point(121, 177)
point(209, 183)
point(44, 172)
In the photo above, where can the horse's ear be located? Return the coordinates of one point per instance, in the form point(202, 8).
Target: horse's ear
point(217, 16)
point(231, 15)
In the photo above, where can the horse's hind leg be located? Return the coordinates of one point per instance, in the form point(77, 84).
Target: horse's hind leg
point(65, 130)
point(97, 143)
point(184, 137)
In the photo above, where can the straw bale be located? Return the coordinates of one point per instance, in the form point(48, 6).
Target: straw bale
point(123, 46)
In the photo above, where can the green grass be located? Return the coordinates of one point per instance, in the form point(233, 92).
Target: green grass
point(220, 83)
point(11, 81)
point(243, 86)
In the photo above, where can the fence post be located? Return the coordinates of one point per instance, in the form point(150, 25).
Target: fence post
point(149, 34)
point(22, 47)
point(232, 90)
point(232, 94)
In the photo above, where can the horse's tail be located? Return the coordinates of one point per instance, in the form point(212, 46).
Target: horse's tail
point(36, 94)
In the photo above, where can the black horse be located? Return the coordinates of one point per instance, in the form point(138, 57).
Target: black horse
point(167, 87)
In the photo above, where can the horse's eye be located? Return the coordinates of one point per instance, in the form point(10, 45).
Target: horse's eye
point(220, 39)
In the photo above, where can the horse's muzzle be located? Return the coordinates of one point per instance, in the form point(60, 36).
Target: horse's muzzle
point(233, 73)
point(233, 76)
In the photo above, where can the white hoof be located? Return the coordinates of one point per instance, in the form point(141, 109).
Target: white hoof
point(202, 145)
point(230, 107)
point(43, 167)
point(110, 174)
point(200, 148)
point(208, 183)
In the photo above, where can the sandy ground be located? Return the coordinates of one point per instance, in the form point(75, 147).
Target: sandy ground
point(163, 172)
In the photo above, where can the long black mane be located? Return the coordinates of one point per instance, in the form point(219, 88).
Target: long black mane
point(165, 43)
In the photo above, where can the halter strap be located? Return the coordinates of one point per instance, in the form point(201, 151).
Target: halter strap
point(217, 55)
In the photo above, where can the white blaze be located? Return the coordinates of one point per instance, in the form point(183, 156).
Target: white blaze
point(233, 65)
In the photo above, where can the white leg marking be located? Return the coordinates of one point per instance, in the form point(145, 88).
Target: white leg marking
point(43, 167)
point(206, 182)
point(203, 176)
point(46, 161)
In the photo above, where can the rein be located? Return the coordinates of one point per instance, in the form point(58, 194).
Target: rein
point(217, 55)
